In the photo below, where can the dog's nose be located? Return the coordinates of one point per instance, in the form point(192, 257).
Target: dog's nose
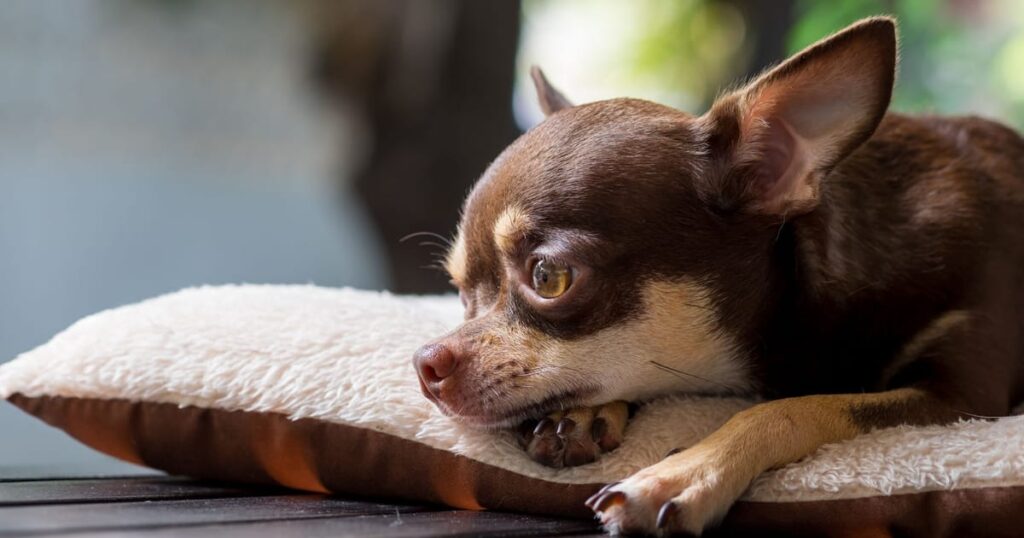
point(434, 362)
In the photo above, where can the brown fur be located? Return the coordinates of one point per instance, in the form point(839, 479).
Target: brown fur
point(861, 268)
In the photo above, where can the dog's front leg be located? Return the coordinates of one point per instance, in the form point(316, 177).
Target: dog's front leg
point(692, 489)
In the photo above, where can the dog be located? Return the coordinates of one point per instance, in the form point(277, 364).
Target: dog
point(853, 268)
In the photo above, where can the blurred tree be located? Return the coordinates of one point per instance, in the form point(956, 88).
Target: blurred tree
point(769, 23)
point(433, 80)
point(677, 52)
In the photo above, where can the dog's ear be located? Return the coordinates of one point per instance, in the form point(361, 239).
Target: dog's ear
point(551, 100)
point(778, 136)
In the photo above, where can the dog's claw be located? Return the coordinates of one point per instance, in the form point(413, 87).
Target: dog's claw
point(609, 486)
point(547, 448)
point(565, 427)
point(666, 514)
point(590, 500)
point(544, 427)
point(685, 493)
point(608, 500)
point(574, 437)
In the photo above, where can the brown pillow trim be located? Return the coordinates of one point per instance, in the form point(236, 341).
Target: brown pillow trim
point(314, 455)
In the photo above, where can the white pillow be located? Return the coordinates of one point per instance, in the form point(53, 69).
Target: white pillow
point(314, 388)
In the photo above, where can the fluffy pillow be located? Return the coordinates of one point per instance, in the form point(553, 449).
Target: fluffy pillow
point(313, 388)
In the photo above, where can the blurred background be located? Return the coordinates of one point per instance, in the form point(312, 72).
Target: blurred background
point(150, 145)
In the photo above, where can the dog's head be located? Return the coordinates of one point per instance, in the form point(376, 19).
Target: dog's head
point(621, 249)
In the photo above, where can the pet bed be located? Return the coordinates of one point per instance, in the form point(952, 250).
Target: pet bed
point(313, 388)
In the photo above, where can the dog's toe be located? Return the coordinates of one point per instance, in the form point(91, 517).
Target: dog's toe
point(609, 425)
point(524, 433)
point(575, 431)
point(546, 446)
point(684, 494)
point(574, 437)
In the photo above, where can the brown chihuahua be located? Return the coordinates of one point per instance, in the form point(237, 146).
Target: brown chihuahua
point(853, 268)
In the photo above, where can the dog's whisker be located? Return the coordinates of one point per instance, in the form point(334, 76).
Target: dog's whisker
point(547, 368)
point(529, 374)
point(681, 373)
point(447, 242)
point(432, 244)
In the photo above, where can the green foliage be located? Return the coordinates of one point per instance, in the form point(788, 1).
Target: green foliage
point(955, 57)
point(712, 34)
point(678, 52)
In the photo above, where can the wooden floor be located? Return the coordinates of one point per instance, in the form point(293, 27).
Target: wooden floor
point(33, 503)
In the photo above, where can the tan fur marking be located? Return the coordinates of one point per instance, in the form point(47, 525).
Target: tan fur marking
point(582, 416)
point(510, 226)
point(616, 414)
point(935, 330)
point(708, 477)
point(781, 431)
point(678, 330)
point(455, 262)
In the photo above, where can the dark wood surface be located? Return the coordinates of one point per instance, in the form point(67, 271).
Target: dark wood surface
point(34, 502)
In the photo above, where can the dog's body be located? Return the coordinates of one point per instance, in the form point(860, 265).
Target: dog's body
point(858, 270)
point(915, 250)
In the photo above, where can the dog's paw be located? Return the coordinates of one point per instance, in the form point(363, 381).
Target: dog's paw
point(574, 437)
point(685, 493)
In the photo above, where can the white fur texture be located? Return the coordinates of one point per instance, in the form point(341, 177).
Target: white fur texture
point(345, 356)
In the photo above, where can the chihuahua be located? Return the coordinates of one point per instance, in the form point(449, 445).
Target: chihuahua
point(854, 269)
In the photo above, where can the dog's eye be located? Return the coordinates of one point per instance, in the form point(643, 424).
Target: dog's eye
point(551, 279)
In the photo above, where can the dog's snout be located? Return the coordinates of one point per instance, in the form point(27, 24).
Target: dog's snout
point(434, 362)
